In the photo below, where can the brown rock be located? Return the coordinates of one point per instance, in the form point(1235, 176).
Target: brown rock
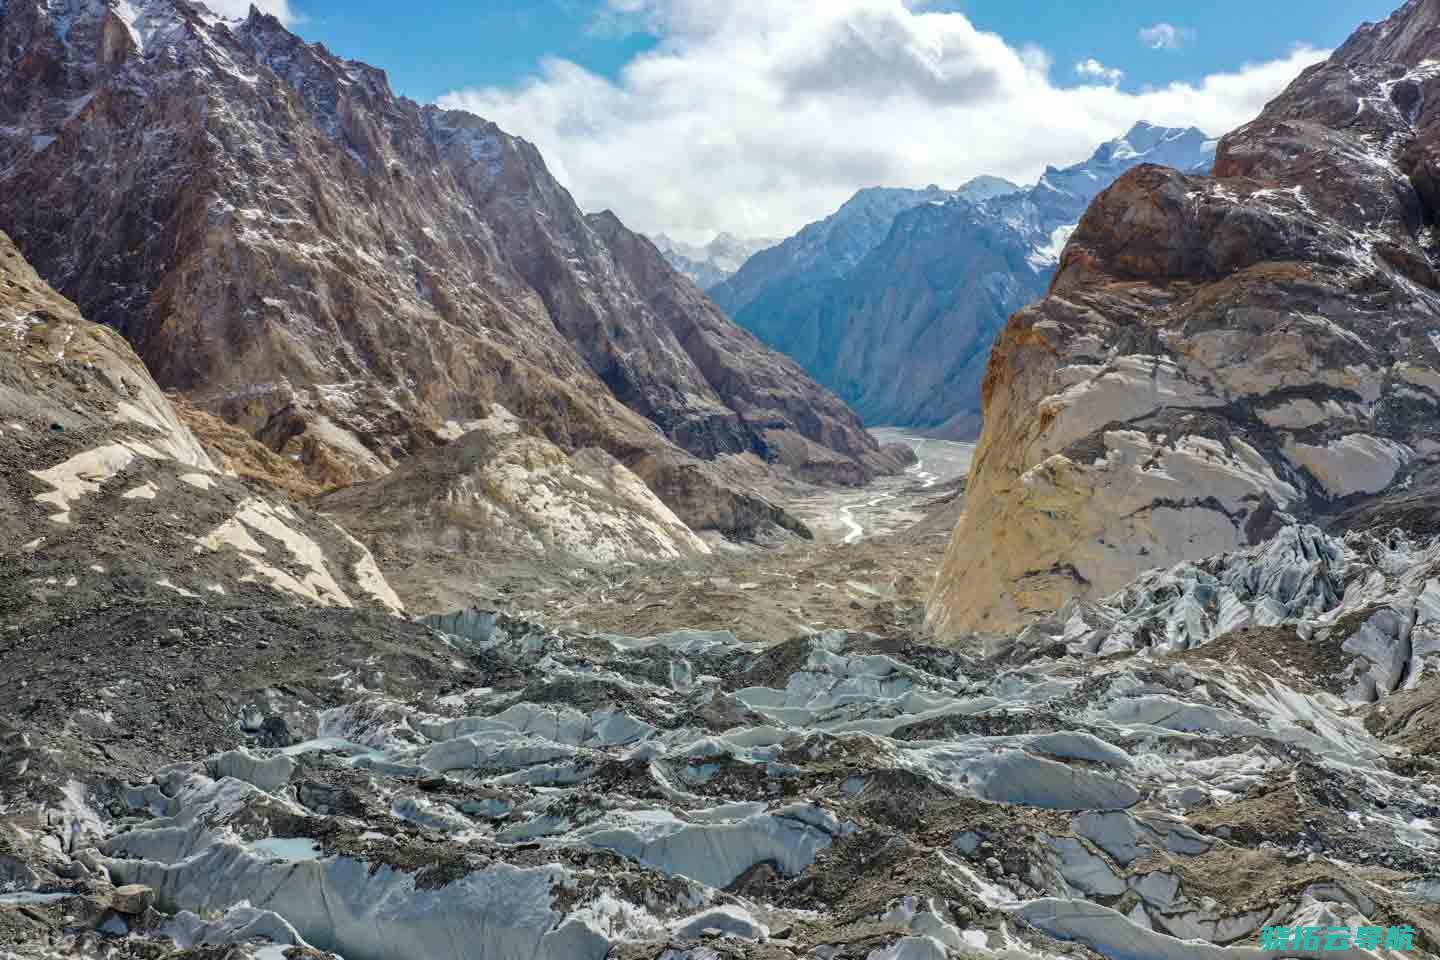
point(499, 491)
point(132, 899)
point(94, 460)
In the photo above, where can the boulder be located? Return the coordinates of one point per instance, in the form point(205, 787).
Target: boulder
point(133, 899)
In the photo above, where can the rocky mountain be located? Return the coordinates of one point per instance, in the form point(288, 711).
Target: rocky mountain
point(347, 275)
point(824, 249)
point(219, 740)
point(1221, 355)
point(222, 736)
point(899, 316)
point(905, 333)
point(711, 263)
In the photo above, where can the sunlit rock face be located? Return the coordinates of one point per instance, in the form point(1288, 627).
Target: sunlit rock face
point(101, 482)
point(342, 272)
point(496, 494)
point(1218, 353)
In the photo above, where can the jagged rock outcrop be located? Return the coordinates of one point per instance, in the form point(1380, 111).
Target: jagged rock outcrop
point(894, 301)
point(1219, 353)
point(707, 265)
point(103, 488)
point(343, 272)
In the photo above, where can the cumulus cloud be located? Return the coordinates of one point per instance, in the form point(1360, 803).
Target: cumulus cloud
point(758, 117)
point(1092, 69)
point(1166, 36)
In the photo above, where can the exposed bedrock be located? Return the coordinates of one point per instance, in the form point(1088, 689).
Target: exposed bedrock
point(1218, 354)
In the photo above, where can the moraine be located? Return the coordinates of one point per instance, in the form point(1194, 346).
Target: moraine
point(1098, 780)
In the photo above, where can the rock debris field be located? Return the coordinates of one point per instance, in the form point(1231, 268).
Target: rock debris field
point(1216, 749)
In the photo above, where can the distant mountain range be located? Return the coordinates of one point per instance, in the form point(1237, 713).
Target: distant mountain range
point(893, 300)
point(713, 262)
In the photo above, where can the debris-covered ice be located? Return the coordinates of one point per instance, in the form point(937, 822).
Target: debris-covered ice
point(1158, 775)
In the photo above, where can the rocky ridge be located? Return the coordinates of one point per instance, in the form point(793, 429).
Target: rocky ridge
point(894, 301)
point(827, 247)
point(347, 275)
point(495, 495)
point(1219, 355)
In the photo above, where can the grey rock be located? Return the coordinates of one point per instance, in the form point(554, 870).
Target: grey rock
point(132, 899)
point(1228, 330)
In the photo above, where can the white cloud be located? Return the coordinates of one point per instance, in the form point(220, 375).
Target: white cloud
point(758, 117)
point(1092, 69)
point(1166, 36)
point(233, 9)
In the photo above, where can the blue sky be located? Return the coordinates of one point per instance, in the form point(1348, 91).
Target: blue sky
point(1223, 33)
point(464, 43)
point(455, 43)
point(757, 116)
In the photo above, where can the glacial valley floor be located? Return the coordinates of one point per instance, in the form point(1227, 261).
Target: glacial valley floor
point(874, 552)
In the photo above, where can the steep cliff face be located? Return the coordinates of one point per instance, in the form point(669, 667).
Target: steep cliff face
point(893, 301)
point(103, 491)
point(343, 272)
point(1219, 353)
point(766, 393)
